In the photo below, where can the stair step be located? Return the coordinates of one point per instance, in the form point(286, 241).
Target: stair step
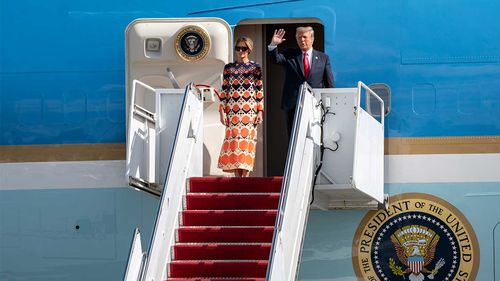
point(228, 217)
point(226, 184)
point(216, 279)
point(218, 268)
point(225, 201)
point(214, 251)
point(225, 234)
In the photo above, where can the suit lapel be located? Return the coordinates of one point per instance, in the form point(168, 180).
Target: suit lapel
point(314, 60)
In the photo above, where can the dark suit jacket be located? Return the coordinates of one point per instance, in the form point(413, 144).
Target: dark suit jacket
point(320, 76)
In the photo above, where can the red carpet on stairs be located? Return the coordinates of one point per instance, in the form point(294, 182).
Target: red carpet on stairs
point(216, 279)
point(226, 229)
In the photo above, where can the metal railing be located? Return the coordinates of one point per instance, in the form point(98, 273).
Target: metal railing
point(142, 129)
point(188, 135)
point(296, 189)
point(136, 257)
point(370, 92)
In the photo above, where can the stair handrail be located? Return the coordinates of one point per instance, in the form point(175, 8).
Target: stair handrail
point(135, 263)
point(296, 190)
point(188, 135)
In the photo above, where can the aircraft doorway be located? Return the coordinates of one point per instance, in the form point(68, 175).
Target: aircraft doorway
point(272, 143)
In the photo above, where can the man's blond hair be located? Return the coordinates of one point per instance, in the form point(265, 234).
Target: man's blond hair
point(304, 29)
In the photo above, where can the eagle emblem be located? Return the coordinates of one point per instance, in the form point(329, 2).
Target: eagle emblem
point(415, 247)
point(192, 43)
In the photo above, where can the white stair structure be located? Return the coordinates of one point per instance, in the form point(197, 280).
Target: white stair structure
point(352, 175)
point(349, 173)
point(182, 159)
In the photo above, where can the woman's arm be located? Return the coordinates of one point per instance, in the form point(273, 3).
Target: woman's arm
point(224, 95)
point(259, 94)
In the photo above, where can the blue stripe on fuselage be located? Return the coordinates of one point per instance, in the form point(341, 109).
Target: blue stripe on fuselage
point(62, 64)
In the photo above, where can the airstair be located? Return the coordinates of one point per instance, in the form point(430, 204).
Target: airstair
point(213, 228)
point(243, 229)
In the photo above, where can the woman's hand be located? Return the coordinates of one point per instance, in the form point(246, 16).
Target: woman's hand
point(258, 118)
point(223, 117)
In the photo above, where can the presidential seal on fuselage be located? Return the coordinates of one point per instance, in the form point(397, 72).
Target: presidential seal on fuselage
point(418, 237)
point(192, 43)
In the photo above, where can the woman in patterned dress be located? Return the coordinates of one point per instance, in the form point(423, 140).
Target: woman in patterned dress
point(241, 109)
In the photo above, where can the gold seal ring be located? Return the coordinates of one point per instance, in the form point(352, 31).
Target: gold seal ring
point(418, 237)
point(192, 43)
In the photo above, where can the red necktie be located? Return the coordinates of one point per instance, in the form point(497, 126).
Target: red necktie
point(307, 67)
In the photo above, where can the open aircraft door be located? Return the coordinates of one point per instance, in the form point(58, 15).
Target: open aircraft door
point(162, 57)
point(352, 173)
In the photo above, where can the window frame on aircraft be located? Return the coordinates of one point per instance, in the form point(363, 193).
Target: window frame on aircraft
point(384, 92)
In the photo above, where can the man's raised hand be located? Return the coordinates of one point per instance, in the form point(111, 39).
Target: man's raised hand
point(278, 37)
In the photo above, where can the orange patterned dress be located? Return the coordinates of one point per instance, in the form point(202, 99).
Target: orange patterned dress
point(241, 98)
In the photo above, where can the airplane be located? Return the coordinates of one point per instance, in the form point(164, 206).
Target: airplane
point(68, 74)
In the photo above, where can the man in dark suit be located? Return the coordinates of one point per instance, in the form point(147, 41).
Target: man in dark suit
point(302, 65)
